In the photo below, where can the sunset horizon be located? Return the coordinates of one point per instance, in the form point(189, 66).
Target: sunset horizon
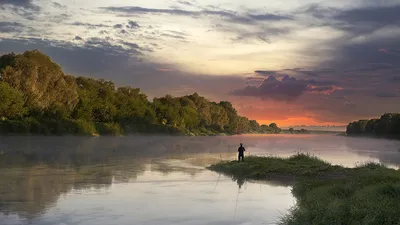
point(309, 63)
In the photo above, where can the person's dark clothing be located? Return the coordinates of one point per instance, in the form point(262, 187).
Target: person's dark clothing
point(241, 151)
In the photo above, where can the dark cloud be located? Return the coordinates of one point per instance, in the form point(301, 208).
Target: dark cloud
point(386, 95)
point(174, 36)
point(180, 33)
point(286, 89)
point(118, 26)
point(11, 27)
point(394, 79)
point(78, 38)
point(58, 18)
point(94, 56)
point(228, 15)
point(131, 45)
point(140, 10)
point(251, 36)
point(132, 25)
point(185, 2)
point(24, 8)
point(265, 72)
point(20, 3)
point(366, 56)
point(268, 17)
point(371, 15)
point(348, 104)
point(296, 71)
point(356, 21)
point(89, 25)
point(318, 11)
point(58, 5)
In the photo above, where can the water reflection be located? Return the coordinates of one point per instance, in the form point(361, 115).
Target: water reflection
point(42, 178)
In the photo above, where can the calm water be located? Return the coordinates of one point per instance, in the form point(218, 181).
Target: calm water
point(156, 180)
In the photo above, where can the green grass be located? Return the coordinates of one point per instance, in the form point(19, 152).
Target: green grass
point(327, 194)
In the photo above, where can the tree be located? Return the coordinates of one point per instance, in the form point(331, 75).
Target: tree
point(35, 86)
point(41, 81)
point(11, 102)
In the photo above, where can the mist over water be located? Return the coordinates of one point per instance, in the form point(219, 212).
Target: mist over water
point(156, 179)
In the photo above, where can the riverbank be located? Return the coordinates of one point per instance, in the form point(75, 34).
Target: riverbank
point(68, 127)
point(326, 194)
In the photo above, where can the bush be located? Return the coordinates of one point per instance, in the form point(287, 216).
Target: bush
point(85, 127)
point(109, 129)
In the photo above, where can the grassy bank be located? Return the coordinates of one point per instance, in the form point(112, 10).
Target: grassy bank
point(327, 194)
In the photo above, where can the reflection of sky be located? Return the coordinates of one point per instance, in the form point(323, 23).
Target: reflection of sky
point(162, 180)
point(177, 198)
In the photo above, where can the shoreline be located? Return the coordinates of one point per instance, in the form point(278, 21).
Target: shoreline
point(325, 193)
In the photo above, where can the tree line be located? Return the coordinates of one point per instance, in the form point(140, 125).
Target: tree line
point(388, 125)
point(37, 97)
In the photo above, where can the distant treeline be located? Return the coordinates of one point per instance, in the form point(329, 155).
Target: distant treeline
point(386, 126)
point(301, 131)
point(36, 97)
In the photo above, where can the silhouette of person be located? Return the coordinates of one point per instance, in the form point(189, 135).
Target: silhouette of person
point(241, 151)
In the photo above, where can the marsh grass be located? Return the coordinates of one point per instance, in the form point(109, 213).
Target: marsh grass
point(327, 194)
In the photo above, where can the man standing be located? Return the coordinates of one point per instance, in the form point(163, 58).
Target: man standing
point(241, 151)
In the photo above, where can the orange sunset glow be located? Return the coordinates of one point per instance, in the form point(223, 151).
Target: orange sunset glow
point(290, 62)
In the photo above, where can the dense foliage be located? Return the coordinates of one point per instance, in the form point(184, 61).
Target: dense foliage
point(386, 126)
point(37, 97)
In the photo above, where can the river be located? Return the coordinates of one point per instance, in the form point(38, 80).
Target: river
point(157, 180)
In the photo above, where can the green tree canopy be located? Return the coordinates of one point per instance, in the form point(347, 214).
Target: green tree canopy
point(11, 102)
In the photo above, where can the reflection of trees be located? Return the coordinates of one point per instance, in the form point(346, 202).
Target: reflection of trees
point(29, 191)
point(35, 171)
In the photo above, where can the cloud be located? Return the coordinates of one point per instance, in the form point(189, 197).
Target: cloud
point(394, 79)
point(24, 8)
point(93, 56)
point(228, 15)
point(265, 72)
point(132, 25)
point(131, 45)
point(348, 104)
point(185, 3)
point(11, 27)
point(118, 26)
point(89, 25)
point(59, 6)
point(269, 17)
point(295, 71)
point(286, 89)
point(78, 38)
point(257, 36)
point(324, 90)
point(174, 36)
point(386, 95)
point(389, 51)
point(19, 3)
point(356, 20)
point(372, 15)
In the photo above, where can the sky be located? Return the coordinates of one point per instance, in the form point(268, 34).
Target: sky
point(310, 62)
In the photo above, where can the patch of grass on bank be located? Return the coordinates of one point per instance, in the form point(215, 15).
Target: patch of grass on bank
point(327, 194)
